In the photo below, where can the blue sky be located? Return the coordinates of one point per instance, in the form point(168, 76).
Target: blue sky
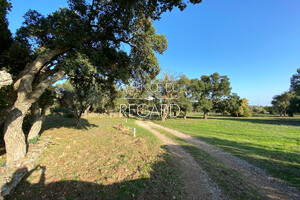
point(255, 43)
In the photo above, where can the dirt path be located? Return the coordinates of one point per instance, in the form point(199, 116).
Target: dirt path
point(197, 182)
point(268, 186)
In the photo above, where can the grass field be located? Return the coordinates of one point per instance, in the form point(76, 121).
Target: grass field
point(228, 180)
point(268, 142)
point(99, 161)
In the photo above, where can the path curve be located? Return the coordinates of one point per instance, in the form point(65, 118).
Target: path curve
point(268, 186)
point(198, 184)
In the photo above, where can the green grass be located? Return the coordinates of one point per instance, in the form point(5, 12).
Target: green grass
point(268, 142)
point(229, 180)
point(152, 141)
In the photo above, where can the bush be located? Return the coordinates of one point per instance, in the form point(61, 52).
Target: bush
point(62, 111)
point(34, 140)
point(244, 110)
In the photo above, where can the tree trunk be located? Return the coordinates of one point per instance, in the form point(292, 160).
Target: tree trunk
point(205, 115)
point(78, 123)
point(164, 114)
point(185, 114)
point(26, 95)
point(86, 112)
point(5, 79)
point(163, 118)
point(14, 137)
point(38, 121)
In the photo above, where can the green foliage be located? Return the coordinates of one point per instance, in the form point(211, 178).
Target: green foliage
point(99, 29)
point(295, 82)
point(5, 99)
point(184, 95)
point(62, 111)
point(145, 41)
point(269, 109)
point(244, 110)
point(209, 91)
point(47, 98)
point(34, 140)
point(14, 52)
point(294, 106)
point(258, 110)
point(5, 34)
point(281, 102)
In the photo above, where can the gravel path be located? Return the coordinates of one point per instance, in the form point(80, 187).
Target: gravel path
point(197, 182)
point(268, 186)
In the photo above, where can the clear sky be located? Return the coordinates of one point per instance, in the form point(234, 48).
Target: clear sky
point(255, 43)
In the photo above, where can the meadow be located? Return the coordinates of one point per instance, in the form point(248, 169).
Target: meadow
point(270, 143)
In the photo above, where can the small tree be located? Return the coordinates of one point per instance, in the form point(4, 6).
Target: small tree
point(244, 110)
point(209, 91)
point(184, 95)
point(168, 93)
point(281, 102)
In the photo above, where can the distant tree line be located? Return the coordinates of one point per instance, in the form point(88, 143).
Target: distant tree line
point(207, 94)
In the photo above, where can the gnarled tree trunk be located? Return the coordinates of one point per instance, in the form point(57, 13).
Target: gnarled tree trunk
point(14, 137)
point(26, 95)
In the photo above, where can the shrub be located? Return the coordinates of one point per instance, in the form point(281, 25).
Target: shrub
point(62, 111)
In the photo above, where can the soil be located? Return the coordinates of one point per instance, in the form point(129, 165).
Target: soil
point(199, 185)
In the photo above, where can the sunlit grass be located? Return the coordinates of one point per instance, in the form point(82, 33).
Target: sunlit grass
point(267, 142)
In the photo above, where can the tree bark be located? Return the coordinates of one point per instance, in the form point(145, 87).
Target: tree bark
point(164, 114)
point(78, 123)
point(13, 134)
point(38, 121)
point(14, 137)
point(86, 112)
point(185, 114)
point(205, 115)
point(5, 79)
point(163, 118)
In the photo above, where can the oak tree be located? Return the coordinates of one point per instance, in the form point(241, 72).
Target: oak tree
point(89, 28)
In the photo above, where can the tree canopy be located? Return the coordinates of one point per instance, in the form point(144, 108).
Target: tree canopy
point(88, 34)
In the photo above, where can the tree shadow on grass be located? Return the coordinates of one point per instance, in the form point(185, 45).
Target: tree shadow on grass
point(57, 121)
point(159, 185)
point(271, 121)
point(284, 165)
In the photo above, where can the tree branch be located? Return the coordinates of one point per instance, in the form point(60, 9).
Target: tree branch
point(35, 95)
point(33, 67)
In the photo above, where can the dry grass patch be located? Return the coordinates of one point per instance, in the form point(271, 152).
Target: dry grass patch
point(99, 161)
